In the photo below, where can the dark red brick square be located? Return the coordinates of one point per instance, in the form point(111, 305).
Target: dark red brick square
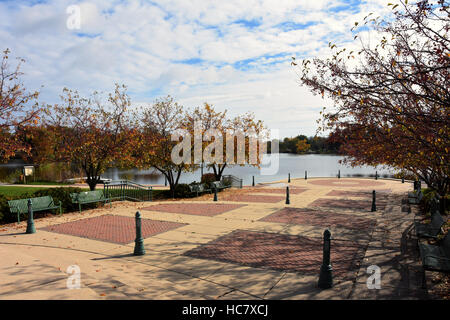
point(250, 198)
point(364, 194)
point(348, 204)
point(201, 209)
point(277, 191)
point(319, 218)
point(282, 252)
point(346, 182)
point(112, 228)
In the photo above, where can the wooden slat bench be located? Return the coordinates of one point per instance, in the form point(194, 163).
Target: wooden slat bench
point(89, 197)
point(436, 257)
point(20, 206)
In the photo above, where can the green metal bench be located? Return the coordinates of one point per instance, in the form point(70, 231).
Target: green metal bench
point(436, 257)
point(199, 188)
point(415, 197)
point(219, 185)
point(89, 197)
point(430, 230)
point(20, 206)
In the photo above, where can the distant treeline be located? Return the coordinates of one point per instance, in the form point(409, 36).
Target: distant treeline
point(302, 144)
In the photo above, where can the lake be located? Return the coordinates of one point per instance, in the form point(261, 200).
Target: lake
point(316, 165)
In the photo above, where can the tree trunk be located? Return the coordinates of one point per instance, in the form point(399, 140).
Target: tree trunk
point(218, 171)
point(92, 183)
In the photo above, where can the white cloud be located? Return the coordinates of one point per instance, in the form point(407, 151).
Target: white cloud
point(241, 66)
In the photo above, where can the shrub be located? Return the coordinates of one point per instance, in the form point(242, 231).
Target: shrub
point(14, 177)
point(183, 191)
point(208, 178)
point(4, 208)
point(429, 194)
point(5, 214)
point(60, 194)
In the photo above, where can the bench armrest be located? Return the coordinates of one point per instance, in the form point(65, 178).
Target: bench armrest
point(437, 257)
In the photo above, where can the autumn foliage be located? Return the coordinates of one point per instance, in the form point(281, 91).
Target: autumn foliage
point(220, 133)
point(392, 99)
point(18, 108)
point(91, 133)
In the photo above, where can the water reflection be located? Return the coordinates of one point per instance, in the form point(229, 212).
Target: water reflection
point(316, 165)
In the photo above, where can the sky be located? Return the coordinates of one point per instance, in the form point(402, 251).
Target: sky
point(235, 55)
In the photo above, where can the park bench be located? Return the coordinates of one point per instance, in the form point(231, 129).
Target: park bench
point(219, 185)
point(430, 230)
point(415, 197)
point(199, 188)
point(89, 197)
point(436, 257)
point(37, 204)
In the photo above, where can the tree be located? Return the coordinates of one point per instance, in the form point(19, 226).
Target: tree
point(90, 133)
point(157, 123)
point(17, 109)
point(302, 146)
point(392, 100)
point(214, 127)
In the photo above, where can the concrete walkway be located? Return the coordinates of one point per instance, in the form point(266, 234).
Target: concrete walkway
point(236, 248)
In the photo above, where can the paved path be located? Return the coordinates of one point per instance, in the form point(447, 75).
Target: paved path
point(236, 248)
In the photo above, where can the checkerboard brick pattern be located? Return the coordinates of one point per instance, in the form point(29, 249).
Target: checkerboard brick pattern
point(282, 252)
point(319, 218)
point(200, 209)
point(250, 198)
point(277, 191)
point(365, 205)
point(112, 228)
point(346, 183)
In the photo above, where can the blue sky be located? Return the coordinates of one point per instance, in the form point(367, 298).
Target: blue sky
point(233, 54)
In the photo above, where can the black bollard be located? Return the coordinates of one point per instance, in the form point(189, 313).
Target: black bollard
point(287, 196)
point(339, 174)
point(306, 174)
point(403, 180)
point(289, 178)
point(215, 193)
point(30, 221)
point(374, 206)
point(139, 242)
point(326, 276)
point(253, 181)
point(376, 175)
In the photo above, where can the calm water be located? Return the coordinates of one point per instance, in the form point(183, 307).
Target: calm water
point(316, 165)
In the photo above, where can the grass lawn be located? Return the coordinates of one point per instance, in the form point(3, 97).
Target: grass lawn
point(47, 183)
point(17, 191)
